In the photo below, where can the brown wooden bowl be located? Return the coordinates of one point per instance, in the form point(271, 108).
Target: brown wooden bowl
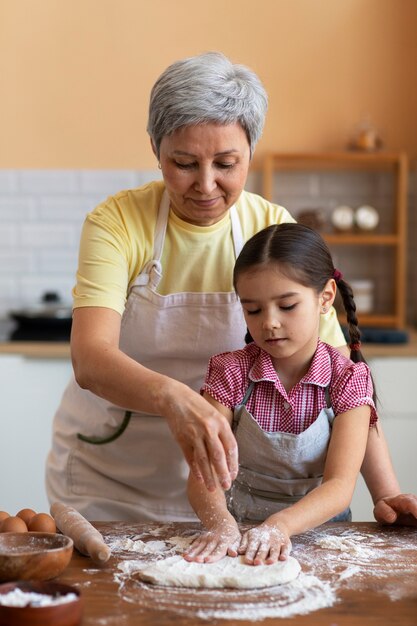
point(66, 614)
point(33, 555)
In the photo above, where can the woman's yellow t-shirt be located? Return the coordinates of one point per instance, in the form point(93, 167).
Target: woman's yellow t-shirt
point(117, 241)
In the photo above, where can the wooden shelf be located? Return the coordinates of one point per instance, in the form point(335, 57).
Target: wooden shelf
point(395, 241)
point(362, 239)
point(336, 158)
point(375, 321)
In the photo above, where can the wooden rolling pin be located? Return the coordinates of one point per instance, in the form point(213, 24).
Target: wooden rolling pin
point(86, 538)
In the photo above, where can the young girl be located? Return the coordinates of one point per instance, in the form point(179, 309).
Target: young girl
point(300, 410)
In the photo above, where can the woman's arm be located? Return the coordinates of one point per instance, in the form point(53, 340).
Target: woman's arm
point(203, 433)
point(270, 541)
point(221, 535)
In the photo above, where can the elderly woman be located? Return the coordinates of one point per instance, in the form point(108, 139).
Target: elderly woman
point(154, 300)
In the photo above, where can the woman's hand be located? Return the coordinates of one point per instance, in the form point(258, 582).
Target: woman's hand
point(400, 509)
point(265, 544)
point(212, 545)
point(204, 434)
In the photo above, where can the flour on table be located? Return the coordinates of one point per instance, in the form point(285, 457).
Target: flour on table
point(138, 546)
point(350, 545)
point(333, 559)
point(229, 572)
point(181, 543)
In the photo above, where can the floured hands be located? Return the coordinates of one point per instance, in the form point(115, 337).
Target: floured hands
point(400, 509)
point(212, 545)
point(265, 544)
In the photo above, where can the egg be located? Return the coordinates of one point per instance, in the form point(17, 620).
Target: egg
point(13, 524)
point(3, 516)
point(26, 515)
point(42, 522)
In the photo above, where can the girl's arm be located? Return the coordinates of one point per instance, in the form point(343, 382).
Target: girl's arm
point(99, 365)
point(391, 506)
point(221, 535)
point(270, 541)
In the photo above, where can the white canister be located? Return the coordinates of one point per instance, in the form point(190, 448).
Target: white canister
point(363, 293)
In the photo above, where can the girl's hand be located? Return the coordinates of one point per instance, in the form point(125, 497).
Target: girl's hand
point(400, 509)
point(212, 545)
point(265, 544)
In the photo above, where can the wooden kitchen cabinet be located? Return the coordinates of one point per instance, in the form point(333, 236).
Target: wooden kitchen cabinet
point(381, 246)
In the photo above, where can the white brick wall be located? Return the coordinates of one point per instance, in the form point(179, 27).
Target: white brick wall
point(41, 215)
point(42, 211)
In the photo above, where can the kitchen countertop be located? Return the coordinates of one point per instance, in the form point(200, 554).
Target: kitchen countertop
point(361, 573)
point(37, 349)
point(50, 349)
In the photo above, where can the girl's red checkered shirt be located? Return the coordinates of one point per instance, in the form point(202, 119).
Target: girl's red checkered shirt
point(230, 373)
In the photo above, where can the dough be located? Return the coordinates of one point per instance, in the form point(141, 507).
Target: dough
point(175, 571)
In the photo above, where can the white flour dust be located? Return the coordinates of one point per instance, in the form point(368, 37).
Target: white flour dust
point(331, 558)
point(386, 558)
point(138, 546)
point(353, 547)
point(19, 598)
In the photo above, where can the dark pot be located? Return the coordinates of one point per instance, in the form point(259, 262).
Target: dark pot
point(48, 321)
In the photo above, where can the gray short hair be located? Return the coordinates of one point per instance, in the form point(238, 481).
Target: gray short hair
point(207, 88)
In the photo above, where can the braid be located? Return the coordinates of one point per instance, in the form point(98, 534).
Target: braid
point(356, 355)
point(346, 294)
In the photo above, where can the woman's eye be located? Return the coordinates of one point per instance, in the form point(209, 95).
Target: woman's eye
point(288, 308)
point(185, 166)
point(254, 312)
point(190, 166)
point(225, 166)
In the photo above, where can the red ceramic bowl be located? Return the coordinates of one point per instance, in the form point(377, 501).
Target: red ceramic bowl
point(65, 614)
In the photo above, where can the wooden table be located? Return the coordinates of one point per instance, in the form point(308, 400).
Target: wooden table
point(370, 570)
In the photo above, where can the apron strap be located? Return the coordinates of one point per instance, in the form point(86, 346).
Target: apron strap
point(152, 271)
point(161, 227)
point(112, 437)
point(327, 395)
point(248, 392)
point(236, 414)
point(237, 233)
point(330, 412)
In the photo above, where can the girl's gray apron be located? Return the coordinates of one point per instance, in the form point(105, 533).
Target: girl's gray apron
point(142, 474)
point(277, 469)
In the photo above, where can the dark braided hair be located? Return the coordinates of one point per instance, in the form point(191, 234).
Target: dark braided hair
point(302, 255)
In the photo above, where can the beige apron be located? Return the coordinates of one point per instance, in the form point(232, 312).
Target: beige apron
point(277, 469)
point(142, 474)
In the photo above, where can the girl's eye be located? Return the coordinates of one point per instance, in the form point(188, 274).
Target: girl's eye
point(253, 312)
point(288, 308)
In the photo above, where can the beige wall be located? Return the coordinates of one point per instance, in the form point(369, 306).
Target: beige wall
point(75, 76)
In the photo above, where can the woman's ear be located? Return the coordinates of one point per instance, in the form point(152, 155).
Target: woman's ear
point(328, 295)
